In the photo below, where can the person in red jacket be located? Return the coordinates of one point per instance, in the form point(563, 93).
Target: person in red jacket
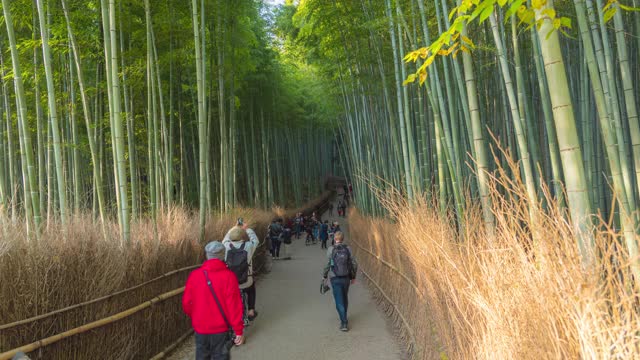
point(211, 330)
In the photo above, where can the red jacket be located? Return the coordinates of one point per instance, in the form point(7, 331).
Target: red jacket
point(198, 302)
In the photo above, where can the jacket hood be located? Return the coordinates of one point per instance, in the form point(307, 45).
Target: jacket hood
point(214, 265)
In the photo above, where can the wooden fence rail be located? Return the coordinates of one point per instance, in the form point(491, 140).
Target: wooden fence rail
point(405, 322)
point(68, 308)
point(320, 204)
point(90, 326)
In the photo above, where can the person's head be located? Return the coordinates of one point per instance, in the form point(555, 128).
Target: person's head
point(338, 237)
point(237, 234)
point(215, 250)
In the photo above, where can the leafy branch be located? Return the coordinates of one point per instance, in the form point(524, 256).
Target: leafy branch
point(451, 41)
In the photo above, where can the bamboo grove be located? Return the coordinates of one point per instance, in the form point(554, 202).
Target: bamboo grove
point(433, 90)
point(125, 108)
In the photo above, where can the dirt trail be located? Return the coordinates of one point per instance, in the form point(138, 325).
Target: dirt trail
point(296, 322)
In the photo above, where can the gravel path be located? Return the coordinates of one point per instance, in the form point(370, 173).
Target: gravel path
point(296, 322)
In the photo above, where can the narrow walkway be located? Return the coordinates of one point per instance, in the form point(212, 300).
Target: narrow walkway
point(296, 322)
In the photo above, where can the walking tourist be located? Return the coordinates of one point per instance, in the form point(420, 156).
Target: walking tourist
point(275, 235)
point(342, 267)
point(213, 303)
point(241, 243)
point(335, 227)
point(298, 222)
point(324, 234)
point(286, 240)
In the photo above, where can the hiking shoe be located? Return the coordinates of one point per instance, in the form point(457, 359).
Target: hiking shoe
point(344, 327)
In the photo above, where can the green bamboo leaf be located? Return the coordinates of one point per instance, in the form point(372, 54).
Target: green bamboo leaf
point(628, 8)
point(486, 13)
point(609, 14)
point(513, 8)
point(551, 13)
point(410, 79)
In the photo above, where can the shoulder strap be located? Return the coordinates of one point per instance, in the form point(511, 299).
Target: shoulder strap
point(224, 316)
point(242, 246)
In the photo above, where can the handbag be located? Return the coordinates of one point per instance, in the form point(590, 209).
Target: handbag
point(231, 335)
point(324, 286)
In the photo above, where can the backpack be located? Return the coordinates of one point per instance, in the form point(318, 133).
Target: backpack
point(238, 262)
point(341, 260)
point(286, 236)
point(275, 230)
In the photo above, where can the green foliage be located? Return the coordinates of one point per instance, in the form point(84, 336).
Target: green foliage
point(451, 43)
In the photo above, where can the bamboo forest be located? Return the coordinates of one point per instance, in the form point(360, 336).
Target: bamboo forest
point(487, 153)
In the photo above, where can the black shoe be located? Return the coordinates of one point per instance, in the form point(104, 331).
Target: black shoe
point(344, 327)
point(255, 315)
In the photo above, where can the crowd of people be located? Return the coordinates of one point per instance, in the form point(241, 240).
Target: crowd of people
point(220, 296)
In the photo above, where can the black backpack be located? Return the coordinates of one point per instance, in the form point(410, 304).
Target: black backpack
point(238, 262)
point(275, 230)
point(341, 260)
point(286, 236)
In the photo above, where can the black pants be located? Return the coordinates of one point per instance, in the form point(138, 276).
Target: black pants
point(251, 296)
point(211, 347)
point(275, 247)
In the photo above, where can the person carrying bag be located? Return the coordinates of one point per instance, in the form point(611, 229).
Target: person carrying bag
point(212, 300)
point(231, 335)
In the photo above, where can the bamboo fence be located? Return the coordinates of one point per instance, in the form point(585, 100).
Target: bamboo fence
point(395, 286)
point(97, 300)
point(90, 326)
point(112, 334)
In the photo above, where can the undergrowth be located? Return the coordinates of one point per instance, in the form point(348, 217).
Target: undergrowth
point(72, 264)
point(520, 294)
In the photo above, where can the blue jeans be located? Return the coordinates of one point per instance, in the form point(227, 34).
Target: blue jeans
point(340, 287)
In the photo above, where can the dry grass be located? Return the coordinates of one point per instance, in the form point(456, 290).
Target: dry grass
point(77, 263)
point(506, 297)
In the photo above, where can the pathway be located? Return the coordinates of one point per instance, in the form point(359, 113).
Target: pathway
point(296, 322)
